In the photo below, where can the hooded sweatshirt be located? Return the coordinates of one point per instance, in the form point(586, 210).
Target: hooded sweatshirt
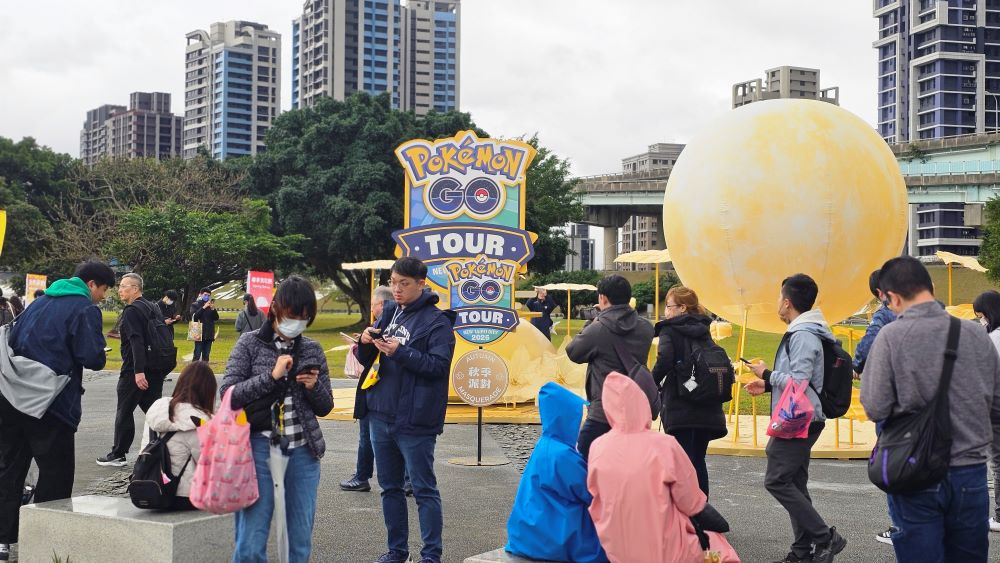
point(62, 329)
point(594, 346)
point(183, 446)
point(412, 392)
point(549, 520)
point(800, 357)
point(645, 488)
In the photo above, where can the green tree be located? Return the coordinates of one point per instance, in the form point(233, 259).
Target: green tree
point(989, 253)
point(552, 202)
point(582, 298)
point(644, 292)
point(173, 246)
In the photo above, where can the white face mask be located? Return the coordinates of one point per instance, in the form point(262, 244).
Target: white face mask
point(984, 322)
point(291, 328)
point(168, 301)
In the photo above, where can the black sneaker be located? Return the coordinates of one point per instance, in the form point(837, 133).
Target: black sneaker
point(886, 536)
point(4, 551)
point(355, 484)
point(792, 558)
point(26, 495)
point(394, 557)
point(825, 551)
point(111, 460)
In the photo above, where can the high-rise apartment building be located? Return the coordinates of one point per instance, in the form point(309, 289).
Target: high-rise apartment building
point(660, 156)
point(581, 246)
point(641, 232)
point(938, 68)
point(340, 47)
point(233, 88)
point(785, 82)
point(146, 129)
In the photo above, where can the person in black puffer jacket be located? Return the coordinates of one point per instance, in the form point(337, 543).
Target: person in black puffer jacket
point(694, 425)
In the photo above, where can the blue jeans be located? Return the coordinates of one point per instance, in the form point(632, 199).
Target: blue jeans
point(301, 486)
point(947, 522)
point(366, 455)
point(397, 454)
point(202, 350)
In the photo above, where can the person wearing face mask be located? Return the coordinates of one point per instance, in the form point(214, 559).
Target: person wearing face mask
point(800, 357)
point(987, 309)
point(281, 380)
point(203, 311)
point(168, 308)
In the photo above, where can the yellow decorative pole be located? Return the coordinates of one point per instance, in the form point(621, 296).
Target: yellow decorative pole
point(734, 406)
point(656, 292)
point(569, 307)
point(371, 313)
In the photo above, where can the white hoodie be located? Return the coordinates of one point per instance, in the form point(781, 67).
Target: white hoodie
point(184, 446)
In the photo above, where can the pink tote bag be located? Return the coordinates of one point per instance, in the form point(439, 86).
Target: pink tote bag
point(793, 413)
point(225, 479)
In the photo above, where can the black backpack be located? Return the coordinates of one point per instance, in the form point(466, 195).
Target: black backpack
point(705, 375)
point(913, 451)
point(161, 354)
point(838, 377)
point(147, 488)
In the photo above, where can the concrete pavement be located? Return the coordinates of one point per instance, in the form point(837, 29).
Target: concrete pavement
point(477, 500)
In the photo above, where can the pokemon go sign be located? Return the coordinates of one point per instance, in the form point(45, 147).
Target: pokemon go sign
point(464, 217)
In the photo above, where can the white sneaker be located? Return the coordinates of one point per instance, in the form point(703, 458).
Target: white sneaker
point(994, 525)
point(886, 536)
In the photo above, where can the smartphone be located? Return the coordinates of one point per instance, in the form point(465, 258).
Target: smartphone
point(107, 348)
point(746, 361)
point(313, 367)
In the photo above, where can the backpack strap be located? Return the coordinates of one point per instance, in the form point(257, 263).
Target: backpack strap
point(950, 355)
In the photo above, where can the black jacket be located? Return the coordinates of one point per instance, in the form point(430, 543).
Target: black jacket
point(207, 318)
point(676, 336)
point(412, 392)
point(545, 307)
point(133, 332)
point(168, 312)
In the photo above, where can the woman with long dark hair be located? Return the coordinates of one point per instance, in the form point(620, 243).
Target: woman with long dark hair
point(987, 309)
point(250, 318)
point(281, 380)
point(192, 402)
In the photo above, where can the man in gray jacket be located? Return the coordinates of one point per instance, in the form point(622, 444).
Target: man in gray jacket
point(799, 358)
point(594, 346)
point(947, 522)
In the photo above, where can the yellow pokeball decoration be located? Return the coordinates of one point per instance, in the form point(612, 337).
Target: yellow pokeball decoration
point(780, 187)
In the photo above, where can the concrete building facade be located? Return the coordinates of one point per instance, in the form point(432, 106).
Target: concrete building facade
point(411, 51)
point(232, 88)
point(785, 82)
point(660, 156)
point(145, 129)
point(939, 68)
point(582, 247)
point(641, 232)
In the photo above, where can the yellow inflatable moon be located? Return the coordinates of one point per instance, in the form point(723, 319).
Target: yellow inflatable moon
point(780, 187)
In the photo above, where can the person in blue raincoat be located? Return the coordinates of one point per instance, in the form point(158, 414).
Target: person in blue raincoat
point(549, 519)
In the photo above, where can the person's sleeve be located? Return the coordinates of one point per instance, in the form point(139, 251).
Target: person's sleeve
point(163, 309)
point(571, 474)
point(213, 315)
point(132, 330)
point(864, 347)
point(583, 347)
point(436, 361)
point(804, 351)
point(531, 304)
point(145, 435)
point(366, 353)
point(239, 375)
point(664, 359)
point(87, 339)
point(196, 312)
point(320, 397)
point(240, 322)
point(878, 389)
point(195, 448)
point(684, 490)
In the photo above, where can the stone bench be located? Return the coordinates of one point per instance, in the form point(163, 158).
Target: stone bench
point(501, 556)
point(111, 530)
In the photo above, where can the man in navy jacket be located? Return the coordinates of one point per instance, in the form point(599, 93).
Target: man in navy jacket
point(406, 407)
point(63, 330)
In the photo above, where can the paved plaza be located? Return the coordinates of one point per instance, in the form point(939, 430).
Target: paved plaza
point(477, 500)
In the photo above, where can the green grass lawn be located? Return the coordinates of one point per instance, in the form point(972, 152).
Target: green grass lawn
point(326, 330)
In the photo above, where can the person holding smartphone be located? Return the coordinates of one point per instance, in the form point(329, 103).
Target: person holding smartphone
point(203, 311)
point(281, 380)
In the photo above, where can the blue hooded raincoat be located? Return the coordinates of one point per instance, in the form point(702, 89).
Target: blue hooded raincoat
point(549, 520)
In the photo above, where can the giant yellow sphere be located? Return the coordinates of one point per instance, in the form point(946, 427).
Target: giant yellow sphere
point(781, 187)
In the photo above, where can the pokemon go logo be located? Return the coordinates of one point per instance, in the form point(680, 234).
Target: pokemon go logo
point(465, 219)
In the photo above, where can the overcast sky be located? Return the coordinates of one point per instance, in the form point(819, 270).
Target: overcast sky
point(598, 80)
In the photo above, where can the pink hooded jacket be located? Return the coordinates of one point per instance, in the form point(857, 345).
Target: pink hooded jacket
point(644, 486)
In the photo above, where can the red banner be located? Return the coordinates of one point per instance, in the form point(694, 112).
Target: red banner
point(260, 286)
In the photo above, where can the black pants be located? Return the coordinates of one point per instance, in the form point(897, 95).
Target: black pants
point(129, 397)
point(591, 431)
point(787, 479)
point(50, 443)
point(695, 441)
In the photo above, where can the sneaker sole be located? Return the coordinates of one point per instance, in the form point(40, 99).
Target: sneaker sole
point(112, 463)
point(882, 539)
point(365, 490)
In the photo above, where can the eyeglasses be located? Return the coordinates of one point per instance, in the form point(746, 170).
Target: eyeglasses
point(674, 306)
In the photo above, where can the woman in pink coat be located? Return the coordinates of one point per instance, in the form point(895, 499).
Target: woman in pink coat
point(644, 486)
